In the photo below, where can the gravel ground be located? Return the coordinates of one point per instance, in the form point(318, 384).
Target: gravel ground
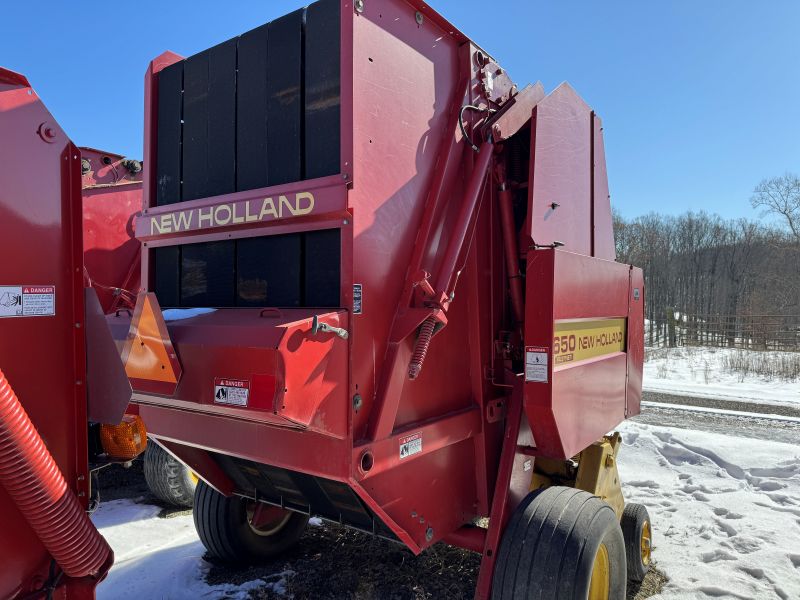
point(332, 562)
point(773, 409)
point(744, 426)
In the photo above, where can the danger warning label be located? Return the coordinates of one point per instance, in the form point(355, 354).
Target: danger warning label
point(536, 364)
point(27, 300)
point(235, 392)
point(410, 445)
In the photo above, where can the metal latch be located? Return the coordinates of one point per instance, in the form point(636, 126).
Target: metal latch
point(316, 327)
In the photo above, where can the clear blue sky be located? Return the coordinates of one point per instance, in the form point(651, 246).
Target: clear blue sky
point(699, 98)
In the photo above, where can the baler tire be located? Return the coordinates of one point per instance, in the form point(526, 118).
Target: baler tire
point(223, 527)
point(553, 545)
point(168, 479)
point(636, 526)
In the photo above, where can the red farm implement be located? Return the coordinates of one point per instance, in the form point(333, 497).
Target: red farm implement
point(393, 297)
point(57, 353)
point(378, 286)
point(112, 197)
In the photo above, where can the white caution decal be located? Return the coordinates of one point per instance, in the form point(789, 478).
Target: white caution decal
point(536, 359)
point(27, 300)
point(235, 392)
point(410, 445)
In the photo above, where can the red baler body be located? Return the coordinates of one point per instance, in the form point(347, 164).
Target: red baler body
point(335, 426)
point(112, 197)
point(45, 370)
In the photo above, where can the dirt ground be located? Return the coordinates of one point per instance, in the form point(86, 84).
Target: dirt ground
point(336, 563)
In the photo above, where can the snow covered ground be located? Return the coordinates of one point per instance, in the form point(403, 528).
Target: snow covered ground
point(700, 372)
point(159, 557)
point(725, 510)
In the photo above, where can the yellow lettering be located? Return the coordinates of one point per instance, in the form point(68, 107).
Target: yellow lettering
point(284, 201)
point(205, 219)
point(166, 224)
point(155, 224)
point(220, 220)
point(236, 219)
point(300, 210)
point(267, 208)
point(247, 216)
point(184, 220)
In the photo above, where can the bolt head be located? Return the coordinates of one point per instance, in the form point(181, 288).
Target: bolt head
point(359, 6)
point(429, 534)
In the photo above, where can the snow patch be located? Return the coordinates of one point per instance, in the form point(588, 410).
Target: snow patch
point(162, 558)
point(699, 372)
point(725, 510)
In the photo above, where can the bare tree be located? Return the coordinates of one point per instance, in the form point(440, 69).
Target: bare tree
point(713, 272)
point(780, 196)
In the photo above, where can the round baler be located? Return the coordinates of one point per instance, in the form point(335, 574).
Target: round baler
point(393, 300)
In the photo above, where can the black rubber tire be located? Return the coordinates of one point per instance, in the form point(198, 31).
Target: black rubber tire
point(221, 523)
point(633, 519)
point(548, 549)
point(169, 479)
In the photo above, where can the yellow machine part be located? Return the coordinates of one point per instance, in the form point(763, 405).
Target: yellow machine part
point(597, 472)
point(593, 470)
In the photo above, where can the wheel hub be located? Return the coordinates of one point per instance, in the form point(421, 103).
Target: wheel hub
point(266, 520)
point(646, 543)
point(601, 575)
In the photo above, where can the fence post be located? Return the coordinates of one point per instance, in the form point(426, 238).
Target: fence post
point(671, 338)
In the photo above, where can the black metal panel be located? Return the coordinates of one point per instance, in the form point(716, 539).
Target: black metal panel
point(167, 276)
point(322, 268)
point(258, 110)
point(322, 94)
point(221, 149)
point(168, 147)
point(195, 126)
point(268, 271)
point(207, 274)
point(284, 99)
point(251, 113)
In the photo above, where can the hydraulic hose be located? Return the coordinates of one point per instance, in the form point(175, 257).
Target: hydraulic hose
point(33, 480)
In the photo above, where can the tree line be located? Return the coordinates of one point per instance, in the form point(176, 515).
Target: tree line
point(702, 264)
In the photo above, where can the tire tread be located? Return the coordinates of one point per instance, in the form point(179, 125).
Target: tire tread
point(167, 478)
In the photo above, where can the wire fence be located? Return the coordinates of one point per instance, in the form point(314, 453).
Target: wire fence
point(746, 332)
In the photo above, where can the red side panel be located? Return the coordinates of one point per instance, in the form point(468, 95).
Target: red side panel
point(635, 342)
point(42, 350)
point(602, 225)
point(560, 186)
point(292, 377)
point(572, 404)
point(112, 197)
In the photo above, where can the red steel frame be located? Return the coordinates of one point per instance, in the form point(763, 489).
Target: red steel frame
point(112, 198)
point(415, 219)
point(43, 357)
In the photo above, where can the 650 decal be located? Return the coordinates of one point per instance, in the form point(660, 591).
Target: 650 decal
point(580, 340)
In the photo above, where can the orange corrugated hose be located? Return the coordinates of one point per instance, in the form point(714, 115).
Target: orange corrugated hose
point(32, 478)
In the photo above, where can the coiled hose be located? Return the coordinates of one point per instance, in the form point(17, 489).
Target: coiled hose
point(33, 480)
